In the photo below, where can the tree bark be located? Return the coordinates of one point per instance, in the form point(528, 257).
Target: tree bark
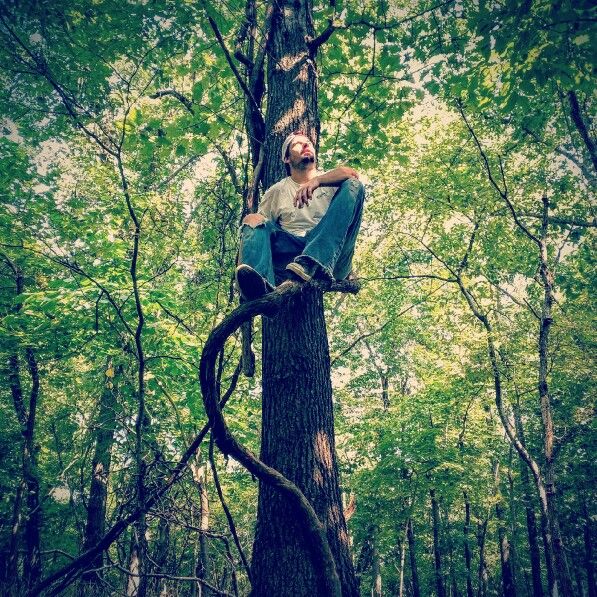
point(298, 440)
point(132, 585)
point(100, 470)
point(437, 558)
point(297, 418)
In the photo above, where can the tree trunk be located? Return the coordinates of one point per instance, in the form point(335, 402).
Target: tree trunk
point(298, 440)
point(413, 558)
point(450, 549)
point(132, 585)
point(551, 582)
point(100, 470)
point(439, 581)
point(592, 589)
point(26, 416)
point(202, 568)
point(402, 544)
point(467, 549)
point(534, 553)
point(483, 576)
point(297, 418)
point(160, 558)
point(11, 574)
point(508, 586)
point(375, 569)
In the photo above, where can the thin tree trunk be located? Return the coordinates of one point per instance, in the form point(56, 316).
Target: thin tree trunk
point(551, 580)
point(410, 533)
point(482, 575)
point(160, 557)
point(376, 568)
point(100, 470)
point(467, 549)
point(132, 586)
point(508, 586)
point(403, 544)
point(12, 561)
point(588, 537)
point(26, 415)
point(202, 569)
point(448, 538)
point(554, 537)
point(297, 415)
point(439, 581)
point(531, 520)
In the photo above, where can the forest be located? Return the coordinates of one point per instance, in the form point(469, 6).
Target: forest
point(425, 428)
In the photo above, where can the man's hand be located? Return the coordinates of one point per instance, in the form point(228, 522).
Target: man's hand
point(305, 193)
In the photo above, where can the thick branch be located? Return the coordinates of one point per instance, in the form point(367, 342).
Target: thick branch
point(581, 127)
point(185, 101)
point(238, 76)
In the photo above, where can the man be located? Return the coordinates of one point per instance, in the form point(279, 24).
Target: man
point(306, 226)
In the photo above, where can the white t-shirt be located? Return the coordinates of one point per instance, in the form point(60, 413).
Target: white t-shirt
point(277, 205)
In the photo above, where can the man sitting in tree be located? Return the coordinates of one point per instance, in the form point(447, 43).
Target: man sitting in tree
point(306, 226)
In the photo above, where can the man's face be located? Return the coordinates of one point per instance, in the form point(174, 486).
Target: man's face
point(301, 153)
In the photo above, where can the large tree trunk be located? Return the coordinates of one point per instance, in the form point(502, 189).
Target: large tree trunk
point(298, 425)
point(98, 490)
point(414, 574)
point(298, 440)
point(437, 556)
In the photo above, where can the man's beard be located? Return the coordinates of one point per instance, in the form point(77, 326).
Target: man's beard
point(304, 162)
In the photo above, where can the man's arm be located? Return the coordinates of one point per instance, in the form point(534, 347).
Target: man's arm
point(336, 176)
point(331, 178)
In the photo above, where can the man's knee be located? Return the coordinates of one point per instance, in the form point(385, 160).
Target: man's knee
point(355, 187)
point(354, 184)
point(254, 220)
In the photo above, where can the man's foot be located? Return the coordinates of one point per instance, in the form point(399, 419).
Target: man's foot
point(306, 270)
point(251, 284)
point(303, 272)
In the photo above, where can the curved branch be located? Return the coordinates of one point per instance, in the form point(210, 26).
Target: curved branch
point(227, 443)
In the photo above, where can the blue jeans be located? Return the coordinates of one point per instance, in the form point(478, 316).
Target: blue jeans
point(268, 249)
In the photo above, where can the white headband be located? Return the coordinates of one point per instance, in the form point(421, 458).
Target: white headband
point(288, 141)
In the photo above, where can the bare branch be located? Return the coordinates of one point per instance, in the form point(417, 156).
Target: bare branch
point(185, 101)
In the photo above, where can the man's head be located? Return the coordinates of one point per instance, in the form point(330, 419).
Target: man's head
point(298, 152)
